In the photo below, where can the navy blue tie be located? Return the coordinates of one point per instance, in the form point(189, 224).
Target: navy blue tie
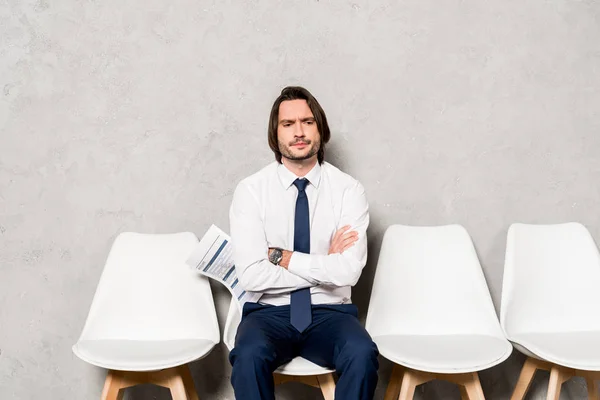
point(300, 309)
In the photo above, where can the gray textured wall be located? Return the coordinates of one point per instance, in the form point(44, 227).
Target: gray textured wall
point(142, 115)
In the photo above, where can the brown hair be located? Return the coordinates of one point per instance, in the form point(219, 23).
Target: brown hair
point(298, 93)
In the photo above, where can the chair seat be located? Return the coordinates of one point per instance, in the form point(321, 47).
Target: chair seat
point(446, 354)
point(141, 355)
point(301, 367)
point(579, 350)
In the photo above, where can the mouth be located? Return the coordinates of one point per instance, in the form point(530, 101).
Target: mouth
point(300, 144)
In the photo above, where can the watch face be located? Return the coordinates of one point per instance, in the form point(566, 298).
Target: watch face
point(276, 256)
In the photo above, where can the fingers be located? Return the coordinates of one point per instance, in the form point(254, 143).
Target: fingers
point(349, 237)
point(346, 247)
point(337, 238)
point(340, 233)
point(343, 240)
point(349, 240)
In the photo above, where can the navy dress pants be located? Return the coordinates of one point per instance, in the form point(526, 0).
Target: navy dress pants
point(335, 339)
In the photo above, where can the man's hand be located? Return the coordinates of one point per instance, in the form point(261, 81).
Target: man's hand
point(343, 240)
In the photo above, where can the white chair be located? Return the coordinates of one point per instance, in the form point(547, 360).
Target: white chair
point(431, 312)
point(150, 316)
point(297, 370)
point(550, 303)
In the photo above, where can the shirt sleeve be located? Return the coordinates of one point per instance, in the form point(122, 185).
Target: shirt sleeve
point(339, 269)
point(250, 249)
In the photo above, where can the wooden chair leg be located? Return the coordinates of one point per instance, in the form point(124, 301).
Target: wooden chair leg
point(525, 379)
point(393, 388)
point(410, 381)
point(310, 380)
point(469, 384)
point(178, 380)
point(325, 382)
point(592, 387)
point(473, 388)
point(463, 393)
point(558, 375)
point(177, 388)
point(112, 386)
point(327, 385)
point(188, 382)
point(554, 385)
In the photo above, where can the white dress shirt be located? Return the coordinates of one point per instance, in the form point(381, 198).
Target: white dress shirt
point(262, 216)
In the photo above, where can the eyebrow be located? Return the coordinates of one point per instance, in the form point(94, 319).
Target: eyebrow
point(291, 121)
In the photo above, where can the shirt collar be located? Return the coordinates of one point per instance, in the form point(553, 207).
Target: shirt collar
point(287, 177)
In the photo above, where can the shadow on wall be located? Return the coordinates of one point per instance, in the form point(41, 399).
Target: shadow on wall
point(361, 293)
point(495, 256)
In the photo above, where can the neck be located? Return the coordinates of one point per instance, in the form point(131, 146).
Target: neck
point(299, 167)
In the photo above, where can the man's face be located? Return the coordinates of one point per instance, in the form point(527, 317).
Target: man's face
point(297, 131)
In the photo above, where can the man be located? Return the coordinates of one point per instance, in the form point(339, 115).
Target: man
point(298, 229)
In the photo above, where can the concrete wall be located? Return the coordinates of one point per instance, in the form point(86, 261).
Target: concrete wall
point(142, 115)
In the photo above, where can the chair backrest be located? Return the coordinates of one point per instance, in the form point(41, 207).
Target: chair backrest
point(429, 281)
point(147, 292)
point(234, 316)
point(551, 279)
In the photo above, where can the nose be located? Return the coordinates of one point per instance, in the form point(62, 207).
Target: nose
point(299, 131)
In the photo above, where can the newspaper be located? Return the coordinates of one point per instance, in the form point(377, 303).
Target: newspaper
point(213, 258)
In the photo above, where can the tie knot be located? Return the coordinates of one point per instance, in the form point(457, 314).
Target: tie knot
point(301, 184)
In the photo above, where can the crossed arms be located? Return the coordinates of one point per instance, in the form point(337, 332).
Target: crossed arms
point(342, 265)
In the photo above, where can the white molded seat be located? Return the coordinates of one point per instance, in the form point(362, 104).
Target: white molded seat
point(430, 307)
point(550, 296)
point(142, 355)
point(443, 353)
point(151, 311)
point(297, 367)
point(302, 367)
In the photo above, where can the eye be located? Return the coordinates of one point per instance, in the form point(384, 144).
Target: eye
point(310, 122)
point(286, 125)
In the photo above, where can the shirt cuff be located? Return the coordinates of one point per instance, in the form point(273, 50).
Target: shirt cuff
point(300, 265)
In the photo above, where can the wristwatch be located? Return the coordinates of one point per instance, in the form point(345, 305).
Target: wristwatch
point(276, 255)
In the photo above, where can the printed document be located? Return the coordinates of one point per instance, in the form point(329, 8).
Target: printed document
point(213, 258)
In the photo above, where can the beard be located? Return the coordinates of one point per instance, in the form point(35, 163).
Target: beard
point(287, 151)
